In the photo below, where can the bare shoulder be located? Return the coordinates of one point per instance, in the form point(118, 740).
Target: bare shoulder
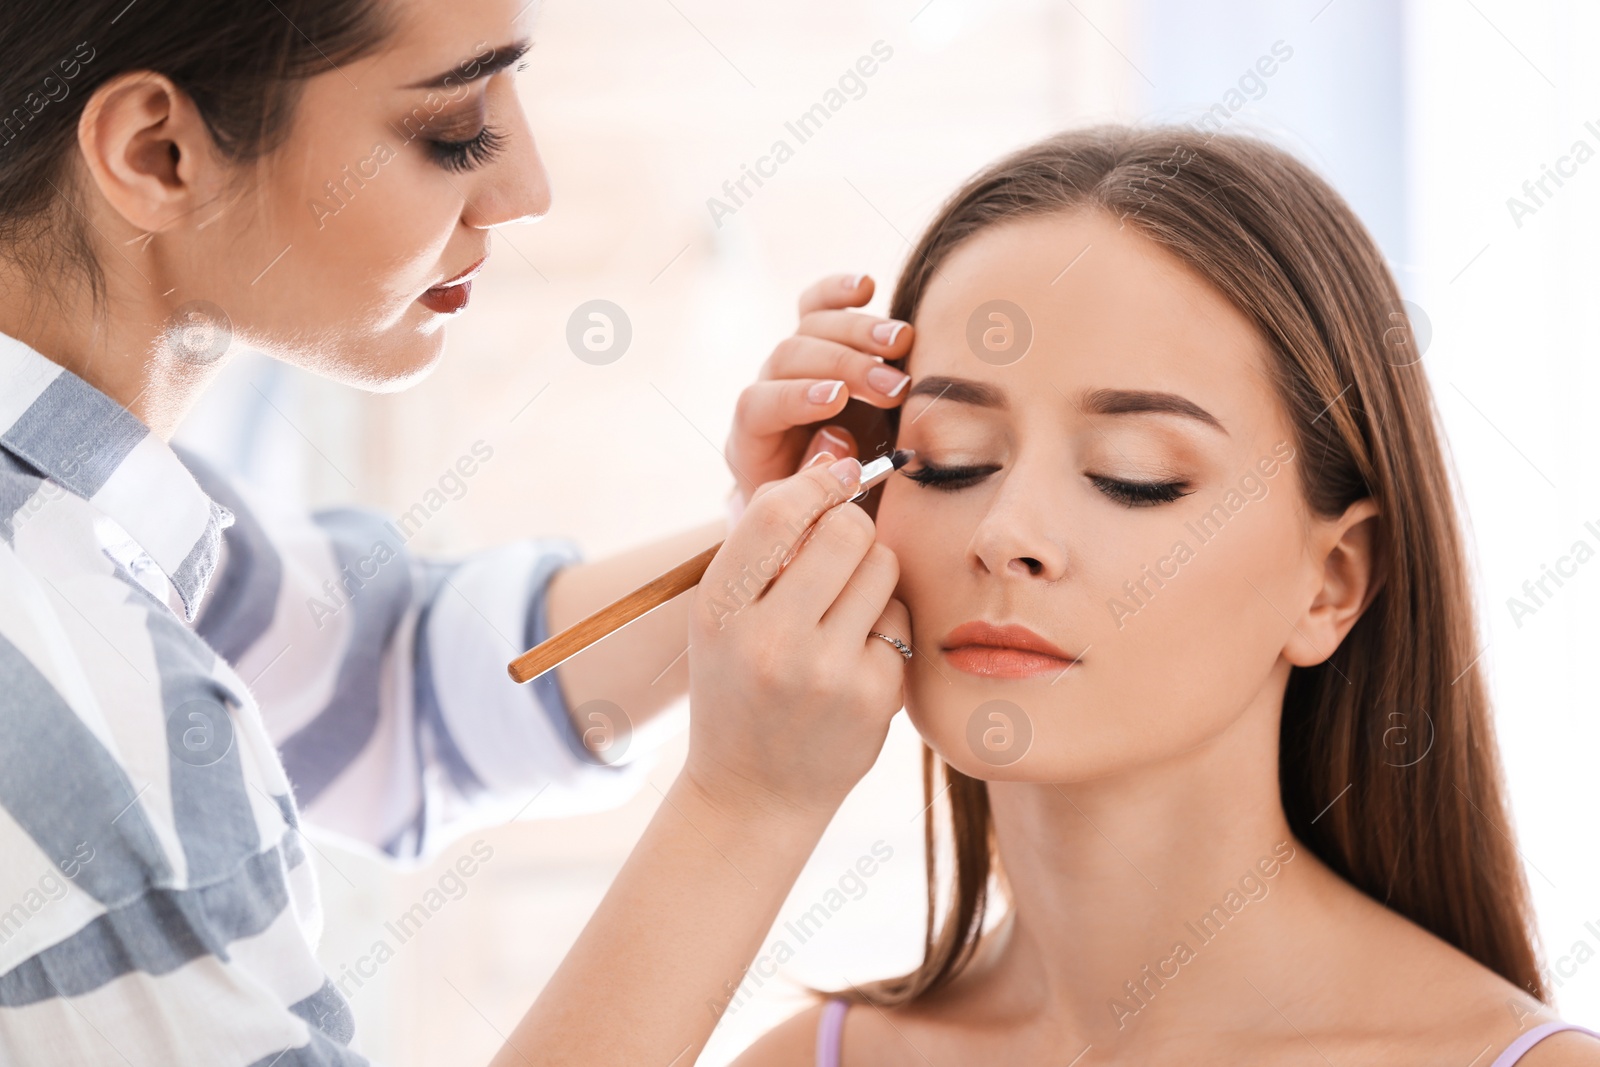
point(792, 1043)
point(1569, 1048)
point(1423, 999)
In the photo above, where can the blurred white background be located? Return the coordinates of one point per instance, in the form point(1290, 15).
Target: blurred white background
point(1426, 114)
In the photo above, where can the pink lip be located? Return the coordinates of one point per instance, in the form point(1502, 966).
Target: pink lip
point(1011, 651)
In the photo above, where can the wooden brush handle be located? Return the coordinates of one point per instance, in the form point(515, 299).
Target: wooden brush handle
point(580, 635)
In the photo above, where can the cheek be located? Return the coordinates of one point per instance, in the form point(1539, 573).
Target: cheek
point(1189, 626)
point(380, 244)
point(929, 536)
point(366, 233)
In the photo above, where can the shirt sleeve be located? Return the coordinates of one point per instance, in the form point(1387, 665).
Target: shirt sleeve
point(381, 674)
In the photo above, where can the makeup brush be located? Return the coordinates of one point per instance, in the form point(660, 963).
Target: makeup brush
point(656, 592)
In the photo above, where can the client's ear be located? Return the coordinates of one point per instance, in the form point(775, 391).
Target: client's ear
point(1352, 574)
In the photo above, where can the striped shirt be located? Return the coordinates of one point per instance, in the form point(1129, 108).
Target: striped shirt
point(185, 674)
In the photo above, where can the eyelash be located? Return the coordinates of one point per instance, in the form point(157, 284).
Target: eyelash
point(1130, 494)
point(948, 479)
point(1140, 494)
point(470, 154)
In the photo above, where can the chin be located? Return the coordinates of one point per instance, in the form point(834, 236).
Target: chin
point(985, 733)
point(384, 364)
point(415, 364)
point(992, 750)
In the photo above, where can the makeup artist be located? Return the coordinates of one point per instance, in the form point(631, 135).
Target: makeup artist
point(169, 711)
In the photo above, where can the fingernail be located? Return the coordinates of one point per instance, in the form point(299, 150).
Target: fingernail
point(885, 332)
point(821, 456)
point(824, 392)
point(827, 433)
point(852, 283)
point(847, 470)
point(887, 381)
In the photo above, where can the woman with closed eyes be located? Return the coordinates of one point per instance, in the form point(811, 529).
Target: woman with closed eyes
point(1196, 665)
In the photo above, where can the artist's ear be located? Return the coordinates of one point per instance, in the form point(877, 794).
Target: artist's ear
point(148, 151)
point(1345, 550)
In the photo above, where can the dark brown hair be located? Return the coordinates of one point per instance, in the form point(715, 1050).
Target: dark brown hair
point(241, 62)
point(1429, 838)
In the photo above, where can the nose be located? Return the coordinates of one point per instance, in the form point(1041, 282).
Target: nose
point(515, 187)
point(1020, 535)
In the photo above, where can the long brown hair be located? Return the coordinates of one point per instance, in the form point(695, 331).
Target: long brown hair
point(1430, 838)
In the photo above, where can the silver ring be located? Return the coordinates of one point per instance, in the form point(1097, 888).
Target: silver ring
point(899, 645)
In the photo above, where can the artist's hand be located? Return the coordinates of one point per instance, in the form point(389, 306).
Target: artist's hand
point(790, 697)
point(835, 355)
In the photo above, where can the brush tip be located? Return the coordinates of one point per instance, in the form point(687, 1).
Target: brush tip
point(901, 456)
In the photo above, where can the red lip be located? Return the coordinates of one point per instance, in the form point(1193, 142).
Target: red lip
point(1010, 651)
point(451, 295)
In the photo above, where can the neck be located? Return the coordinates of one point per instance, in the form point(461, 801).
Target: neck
point(1121, 884)
point(118, 343)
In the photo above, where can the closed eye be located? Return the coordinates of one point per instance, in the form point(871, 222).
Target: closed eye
point(1139, 494)
point(948, 478)
point(474, 152)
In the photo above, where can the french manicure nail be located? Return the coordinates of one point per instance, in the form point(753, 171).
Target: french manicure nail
point(821, 457)
point(887, 381)
point(885, 332)
point(852, 283)
point(848, 471)
point(828, 434)
point(824, 392)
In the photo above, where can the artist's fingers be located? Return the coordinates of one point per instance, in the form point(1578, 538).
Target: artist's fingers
point(835, 440)
point(865, 594)
point(889, 338)
point(837, 291)
point(824, 562)
point(823, 458)
point(865, 378)
point(825, 448)
point(767, 408)
point(776, 521)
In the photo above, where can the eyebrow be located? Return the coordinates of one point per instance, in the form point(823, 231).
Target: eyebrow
point(1143, 401)
point(1095, 401)
point(961, 390)
point(500, 59)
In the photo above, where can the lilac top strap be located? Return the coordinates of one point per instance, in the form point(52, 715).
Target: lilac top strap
point(830, 1032)
point(830, 1036)
point(1515, 1050)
